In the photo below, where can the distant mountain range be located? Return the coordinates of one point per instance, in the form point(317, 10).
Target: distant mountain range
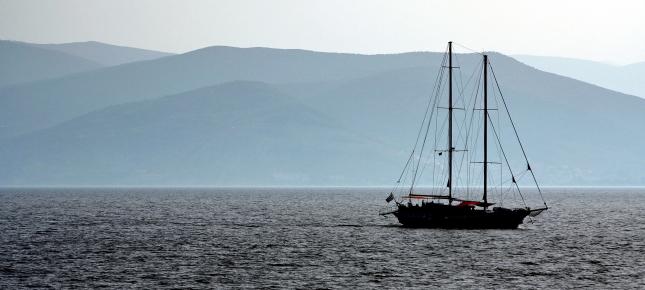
point(237, 133)
point(25, 62)
point(22, 63)
point(77, 94)
point(260, 116)
point(105, 54)
point(626, 79)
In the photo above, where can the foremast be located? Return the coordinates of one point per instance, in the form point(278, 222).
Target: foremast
point(450, 147)
point(485, 130)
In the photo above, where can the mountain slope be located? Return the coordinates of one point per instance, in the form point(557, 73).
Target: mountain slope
point(320, 122)
point(22, 63)
point(103, 53)
point(574, 132)
point(629, 79)
point(68, 97)
point(230, 134)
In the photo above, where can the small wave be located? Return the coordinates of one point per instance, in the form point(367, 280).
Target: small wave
point(282, 264)
point(349, 225)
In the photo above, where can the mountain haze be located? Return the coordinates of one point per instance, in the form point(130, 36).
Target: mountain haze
point(62, 99)
point(591, 134)
point(228, 134)
point(103, 53)
point(23, 63)
point(629, 79)
point(259, 116)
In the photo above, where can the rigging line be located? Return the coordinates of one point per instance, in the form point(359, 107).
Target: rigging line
point(460, 90)
point(499, 125)
point(516, 135)
point(517, 178)
point(425, 136)
point(434, 156)
point(475, 94)
point(423, 145)
point(470, 78)
point(501, 168)
point(510, 186)
point(460, 84)
point(405, 179)
point(465, 127)
point(492, 120)
point(507, 163)
point(410, 158)
point(440, 92)
point(430, 102)
point(441, 130)
point(508, 190)
point(500, 120)
point(474, 98)
point(445, 120)
point(462, 94)
point(468, 48)
point(477, 169)
point(471, 124)
point(460, 131)
point(398, 182)
point(405, 167)
point(422, 149)
point(461, 127)
point(443, 173)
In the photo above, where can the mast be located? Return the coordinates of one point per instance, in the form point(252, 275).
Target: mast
point(485, 129)
point(450, 122)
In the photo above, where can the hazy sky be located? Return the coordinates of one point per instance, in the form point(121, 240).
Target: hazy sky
point(610, 31)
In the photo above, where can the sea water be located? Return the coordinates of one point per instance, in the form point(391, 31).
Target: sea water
point(307, 238)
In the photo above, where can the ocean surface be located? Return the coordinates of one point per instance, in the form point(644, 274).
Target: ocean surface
point(307, 238)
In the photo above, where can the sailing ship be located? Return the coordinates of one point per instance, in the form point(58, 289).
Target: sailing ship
point(444, 206)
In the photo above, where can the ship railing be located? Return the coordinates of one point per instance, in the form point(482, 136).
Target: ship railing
point(388, 209)
point(426, 196)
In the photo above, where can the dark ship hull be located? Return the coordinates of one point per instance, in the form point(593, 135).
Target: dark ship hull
point(437, 215)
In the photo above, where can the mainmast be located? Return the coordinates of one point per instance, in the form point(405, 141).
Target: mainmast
point(485, 130)
point(450, 122)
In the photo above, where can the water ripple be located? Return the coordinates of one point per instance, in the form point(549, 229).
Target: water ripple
point(306, 238)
